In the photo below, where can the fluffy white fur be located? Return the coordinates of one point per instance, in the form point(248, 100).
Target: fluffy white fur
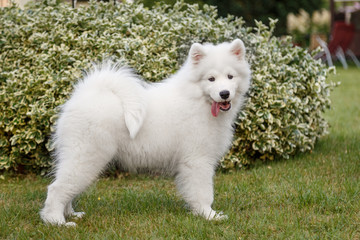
point(176, 127)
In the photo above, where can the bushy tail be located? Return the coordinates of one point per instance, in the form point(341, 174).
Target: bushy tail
point(128, 87)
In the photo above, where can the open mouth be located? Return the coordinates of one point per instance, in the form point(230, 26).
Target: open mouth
point(217, 106)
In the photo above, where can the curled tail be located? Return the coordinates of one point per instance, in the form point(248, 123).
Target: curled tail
point(123, 83)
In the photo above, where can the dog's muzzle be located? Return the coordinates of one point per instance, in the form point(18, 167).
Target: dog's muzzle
point(217, 106)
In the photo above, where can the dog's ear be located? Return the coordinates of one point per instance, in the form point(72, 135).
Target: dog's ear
point(196, 53)
point(237, 48)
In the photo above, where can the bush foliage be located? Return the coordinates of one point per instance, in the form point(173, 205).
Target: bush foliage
point(45, 48)
point(261, 10)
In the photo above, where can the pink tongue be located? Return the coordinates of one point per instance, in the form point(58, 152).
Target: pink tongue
point(215, 108)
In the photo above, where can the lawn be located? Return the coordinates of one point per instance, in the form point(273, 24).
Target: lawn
point(311, 196)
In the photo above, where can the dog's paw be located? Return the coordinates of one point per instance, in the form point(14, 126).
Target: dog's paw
point(70, 224)
point(220, 216)
point(212, 215)
point(52, 218)
point(78, 215)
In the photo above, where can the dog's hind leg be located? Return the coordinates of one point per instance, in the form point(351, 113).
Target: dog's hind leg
point(63, 190)
point(69, 211)
point(58, 203)
point(53, 211)
point(73, 176)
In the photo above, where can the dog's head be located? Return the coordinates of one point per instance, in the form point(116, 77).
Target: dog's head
point(223, 72)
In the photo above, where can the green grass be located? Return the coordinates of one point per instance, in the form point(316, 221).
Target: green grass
point(311, 196)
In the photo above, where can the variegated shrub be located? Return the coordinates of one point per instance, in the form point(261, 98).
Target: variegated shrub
point(45, 48)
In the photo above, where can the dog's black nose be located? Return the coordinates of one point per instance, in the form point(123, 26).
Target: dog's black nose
point(224, 94)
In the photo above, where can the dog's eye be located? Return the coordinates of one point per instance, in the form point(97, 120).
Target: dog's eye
point(230, 76)
point(211, 79)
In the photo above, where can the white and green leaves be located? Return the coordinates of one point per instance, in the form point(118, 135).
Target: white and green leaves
point(45, 48)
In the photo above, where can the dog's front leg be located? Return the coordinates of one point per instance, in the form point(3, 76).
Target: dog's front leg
point(194, 181)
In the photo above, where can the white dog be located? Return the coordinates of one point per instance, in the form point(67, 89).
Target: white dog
point(181, 126)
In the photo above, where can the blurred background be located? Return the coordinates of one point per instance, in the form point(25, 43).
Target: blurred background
point(310, 22)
